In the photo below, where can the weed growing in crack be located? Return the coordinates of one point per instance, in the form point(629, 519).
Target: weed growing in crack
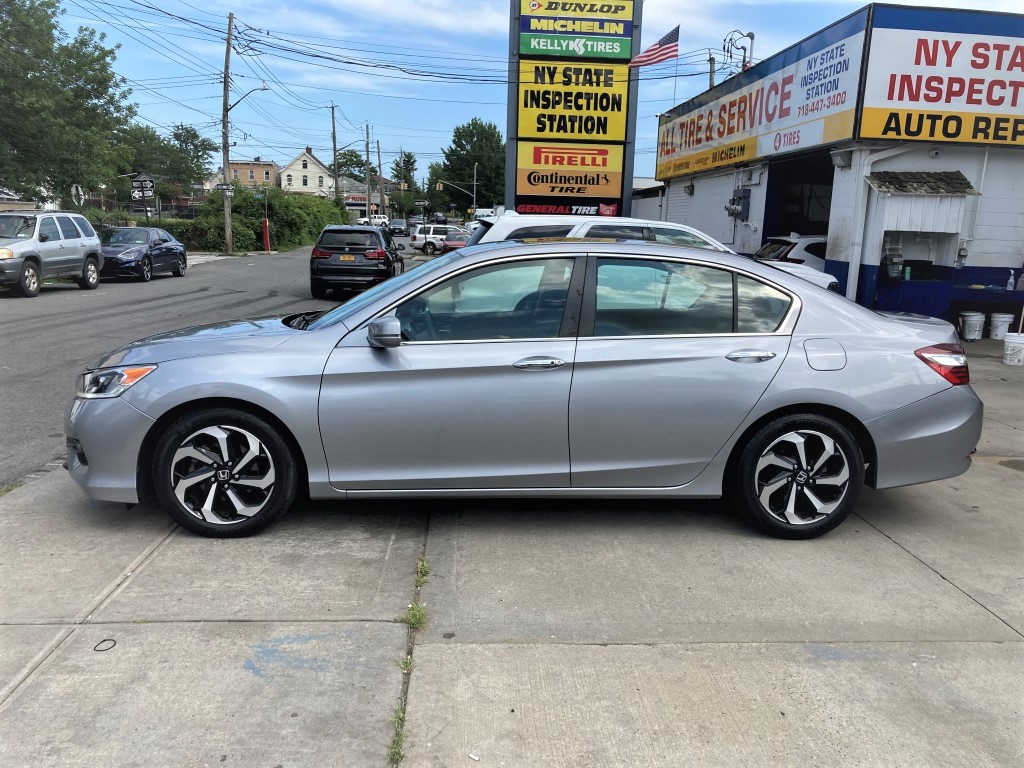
point(415, 615)
point(395, 753)
point(405, 665)
point(422, 571)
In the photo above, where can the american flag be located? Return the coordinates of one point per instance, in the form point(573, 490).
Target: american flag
point(663, 50)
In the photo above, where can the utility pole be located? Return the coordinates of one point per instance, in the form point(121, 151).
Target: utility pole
point(367, 170)
point(334, 150)
point(228, 239)
point(474, 187)
point(711, 71)
point(380, 183)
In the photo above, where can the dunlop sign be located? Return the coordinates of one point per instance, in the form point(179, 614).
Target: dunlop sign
point(573, 101)
point(557, 170)
point(576, 30)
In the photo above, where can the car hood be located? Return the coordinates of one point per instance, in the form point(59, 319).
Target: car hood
point(119, 248)
point(252, 334)
point(7, 242)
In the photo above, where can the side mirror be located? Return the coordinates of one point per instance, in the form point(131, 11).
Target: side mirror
point(384, 332)
point(401, 247)
point(43, 237)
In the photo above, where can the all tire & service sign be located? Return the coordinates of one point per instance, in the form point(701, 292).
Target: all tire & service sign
point(570, 114)
point(804, 97)
point(945, 76)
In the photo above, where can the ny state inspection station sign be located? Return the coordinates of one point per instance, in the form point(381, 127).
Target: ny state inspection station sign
point(576, 30)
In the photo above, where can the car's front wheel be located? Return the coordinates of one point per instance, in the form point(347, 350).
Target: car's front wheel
point(146, 269)
point(799, 476)
point(223, 472)
point(29, 282)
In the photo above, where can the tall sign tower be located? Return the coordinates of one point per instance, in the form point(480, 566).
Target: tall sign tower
point(571, 107)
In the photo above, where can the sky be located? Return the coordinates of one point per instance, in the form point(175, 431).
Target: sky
point(411, 69)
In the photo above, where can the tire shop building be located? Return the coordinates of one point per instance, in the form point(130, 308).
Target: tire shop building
point(896, 134)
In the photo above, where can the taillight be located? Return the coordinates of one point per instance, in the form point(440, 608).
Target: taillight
point(377, 254)
point(412, 237)
point(318, 254)
point(947, 360)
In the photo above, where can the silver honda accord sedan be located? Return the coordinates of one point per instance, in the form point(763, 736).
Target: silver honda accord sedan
point(578, 369)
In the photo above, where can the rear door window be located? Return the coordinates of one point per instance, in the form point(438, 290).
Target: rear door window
point(84, 226)
point(816, 249)
point(536, 231)
point(67, 228)
point(670, 236)
point(639, 297)
point(616, 231)
point(759, 307)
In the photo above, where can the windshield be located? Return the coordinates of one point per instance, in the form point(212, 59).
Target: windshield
point(351, 306)
point(133, 236)
point(17, 226)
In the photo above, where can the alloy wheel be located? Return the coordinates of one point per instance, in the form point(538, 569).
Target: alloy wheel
point(222, 475)
point(31, 279)
point(92, 275)
point(802, 477)
point(147, 270)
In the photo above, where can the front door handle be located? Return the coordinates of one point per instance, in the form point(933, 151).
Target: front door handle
point(538, 363)
point(750, 356)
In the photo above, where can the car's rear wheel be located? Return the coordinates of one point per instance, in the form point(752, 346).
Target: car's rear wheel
point(179, 271)
point(429, 248)
point(90, 275)
point(318, 291)
point(29, 282)
point(224, 473)
point(799, 476)
point(146, 270)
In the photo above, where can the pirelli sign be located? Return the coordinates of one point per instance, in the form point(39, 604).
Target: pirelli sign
point(570, 123)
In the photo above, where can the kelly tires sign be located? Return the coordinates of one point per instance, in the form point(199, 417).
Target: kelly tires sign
point(945, 76)
point(576, 30)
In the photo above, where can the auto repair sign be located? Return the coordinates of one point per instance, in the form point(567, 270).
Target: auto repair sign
point(576, 30)
point(945, 76)
point(801, 98)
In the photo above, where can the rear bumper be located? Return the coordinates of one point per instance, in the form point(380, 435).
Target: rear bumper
point(931, 439)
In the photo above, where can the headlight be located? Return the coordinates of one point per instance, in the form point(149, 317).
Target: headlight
point(6, 253)
point(110, 382)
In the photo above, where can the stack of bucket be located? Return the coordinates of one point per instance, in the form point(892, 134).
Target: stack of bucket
point(972, 323)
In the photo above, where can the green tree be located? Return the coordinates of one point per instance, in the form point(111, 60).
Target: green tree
point(62, 102)
point(190, 162)
point(403, 170)
point(476, 142)
point(352, 163)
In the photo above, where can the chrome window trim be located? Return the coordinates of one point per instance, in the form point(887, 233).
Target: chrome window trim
point(786, 328)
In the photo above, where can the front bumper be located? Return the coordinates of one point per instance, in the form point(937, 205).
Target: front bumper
point(10, 271)
point(931, 439)
point(109, 434)
point(113, 268)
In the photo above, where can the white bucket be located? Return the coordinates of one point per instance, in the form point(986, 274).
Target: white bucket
point(1013, 349)
point(971, 324)
point(998, 324)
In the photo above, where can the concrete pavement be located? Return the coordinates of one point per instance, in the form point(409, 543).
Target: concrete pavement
point(558, 633)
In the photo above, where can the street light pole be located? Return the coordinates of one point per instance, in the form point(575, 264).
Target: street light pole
point(474, 187)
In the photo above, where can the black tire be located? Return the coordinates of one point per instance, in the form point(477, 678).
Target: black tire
point(429, 249)
point(318, 291)
point(90, 278)
point(179, 271)
point(794, 495)
point(145, 269)
point(30, 281)
point(275, 455)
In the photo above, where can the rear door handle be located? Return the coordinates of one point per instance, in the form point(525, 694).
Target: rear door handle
point(538, 363)
point(750, 356)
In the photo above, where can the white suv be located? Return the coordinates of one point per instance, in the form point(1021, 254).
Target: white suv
point(430, 237)
point(808, 250)
point(513, 226)
point(376, 220)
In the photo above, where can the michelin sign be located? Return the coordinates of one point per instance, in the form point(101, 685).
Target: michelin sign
point(570, 118)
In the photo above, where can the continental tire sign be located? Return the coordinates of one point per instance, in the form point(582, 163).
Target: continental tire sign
point(556, 170)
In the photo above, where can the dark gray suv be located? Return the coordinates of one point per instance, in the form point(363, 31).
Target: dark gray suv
point(349, 257)
point(35, 245)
